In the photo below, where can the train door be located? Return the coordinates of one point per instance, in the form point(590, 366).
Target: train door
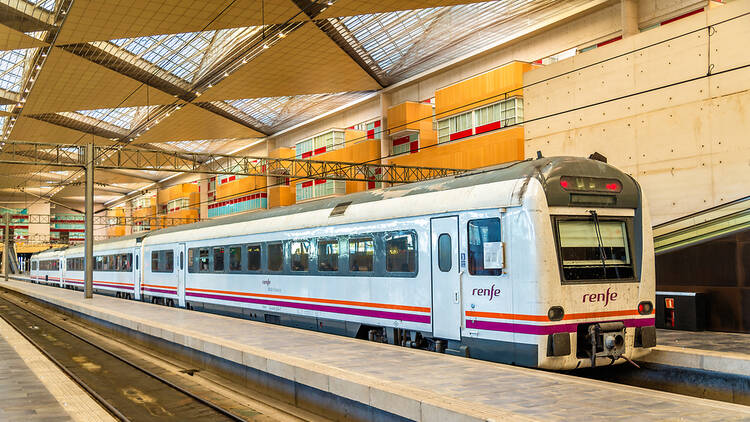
point(446, 285)
point(181, 255)
point(136, 273)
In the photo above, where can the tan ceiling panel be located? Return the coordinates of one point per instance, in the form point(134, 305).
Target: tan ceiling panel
point(194, 123)
point(10, 39)
point(32, 130)
point(363, 7)
point(305, 62)
point(100, 20)
point(69, 83)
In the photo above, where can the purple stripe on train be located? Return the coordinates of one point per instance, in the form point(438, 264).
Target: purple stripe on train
point(149, 289)
point(425, 319)
point(545, 329)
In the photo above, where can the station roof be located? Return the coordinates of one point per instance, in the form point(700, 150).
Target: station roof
point(219, 75)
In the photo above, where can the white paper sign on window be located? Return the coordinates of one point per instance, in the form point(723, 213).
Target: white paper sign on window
point(493, 255)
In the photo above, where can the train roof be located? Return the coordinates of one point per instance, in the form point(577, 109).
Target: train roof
point(546, 170)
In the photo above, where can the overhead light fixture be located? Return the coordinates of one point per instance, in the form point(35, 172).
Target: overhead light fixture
point(330, 3)
point(38, 67)
point(265, 46)
point(244, 61)
point(282, 35)
point(210, 85)
point(226, 74)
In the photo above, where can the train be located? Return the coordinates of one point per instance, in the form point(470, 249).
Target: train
point(544, 263)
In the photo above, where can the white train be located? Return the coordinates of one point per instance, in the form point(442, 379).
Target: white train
point(544, 263)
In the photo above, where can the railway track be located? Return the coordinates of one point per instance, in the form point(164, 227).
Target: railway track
point(130, 388)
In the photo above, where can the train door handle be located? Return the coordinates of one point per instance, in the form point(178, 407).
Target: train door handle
point(455, 296)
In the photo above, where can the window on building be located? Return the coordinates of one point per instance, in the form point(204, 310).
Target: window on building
point(204, 260)
point(455, 127)
point(490, 117)
point(253, 257)
point(275, 256)
point(328, 255)
point(406, 143)
point(320, 144)
point(219, 259)
point(319, 188)
point(235, 258)
point(485, 249)
point(300, 252)
point(400, 253)
point(361, 253)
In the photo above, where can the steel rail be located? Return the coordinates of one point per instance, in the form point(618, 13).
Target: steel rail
point(199, 399)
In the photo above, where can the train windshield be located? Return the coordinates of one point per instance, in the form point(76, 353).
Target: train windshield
point(594, 249)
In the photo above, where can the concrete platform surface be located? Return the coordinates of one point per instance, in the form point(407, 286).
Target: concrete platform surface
point(727, 353)
point(414, 384)
point(33, 389)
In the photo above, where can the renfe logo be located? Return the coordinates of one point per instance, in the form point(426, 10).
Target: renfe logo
point(492, 292)
point(601, 297)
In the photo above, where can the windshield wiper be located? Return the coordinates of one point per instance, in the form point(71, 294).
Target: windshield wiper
point(599, 239)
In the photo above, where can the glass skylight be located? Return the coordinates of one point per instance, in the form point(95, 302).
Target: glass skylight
point(272, 114)
point(12, 68)
point(48, 5)
point(178, 54)
point(398, 45)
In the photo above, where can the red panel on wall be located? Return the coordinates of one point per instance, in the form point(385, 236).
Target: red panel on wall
point(307, 154)
point(320, 181)
point(320, 150)
point(489, 126)
point(371, 134)
point(401, 140)
point(459, 135)
point(414, 147)
point(307, 184)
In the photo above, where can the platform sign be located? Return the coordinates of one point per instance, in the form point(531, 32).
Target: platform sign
point(669, 302)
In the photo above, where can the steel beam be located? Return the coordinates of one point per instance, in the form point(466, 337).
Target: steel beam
point(129, 158)
point(88, 276)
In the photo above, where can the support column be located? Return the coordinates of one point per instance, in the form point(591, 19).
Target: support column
point(88, 275)
point(385, 140)
point(203, 199)
point(6, 245)
point(629, 14)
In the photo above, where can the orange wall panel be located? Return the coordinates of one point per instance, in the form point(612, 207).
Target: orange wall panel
point(479, 90)
point(478, 151)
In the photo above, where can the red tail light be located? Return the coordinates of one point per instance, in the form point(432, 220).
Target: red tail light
point(645, 308)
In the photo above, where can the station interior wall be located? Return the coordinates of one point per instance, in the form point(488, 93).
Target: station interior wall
point(647, 104)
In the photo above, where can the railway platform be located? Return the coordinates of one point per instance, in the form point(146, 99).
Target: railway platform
point(33, 389)
point(367, 380)
point(727, 353)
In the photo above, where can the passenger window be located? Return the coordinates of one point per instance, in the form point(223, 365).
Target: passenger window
point(275, 256)
point(253, 257)
point(300, 256)
point(361, 253)
point(445, 254)
point(328, 255)
point(219, 259)
point(400, 253)
point(203, 260)
point(484, 247)
point(190, 260)
point(182, 261)
point(168, 261)
point(154, 261)
point(136, 262)
point(235, 258)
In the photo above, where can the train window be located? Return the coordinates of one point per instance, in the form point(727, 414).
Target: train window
point(361, 254)
point(203, 260)
point(253, 257)
point(154, 261)
point(445, 260)
point(191, 257)
point(300, 255)
point(219, 259)
point(235, 258)
point(136, 262)
point(168, 261)
point(400, 249)
point(328, 254)
point(182, 261)
point(484, 239)
point(275, 256)
point(98, 263)
point(594, 250)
